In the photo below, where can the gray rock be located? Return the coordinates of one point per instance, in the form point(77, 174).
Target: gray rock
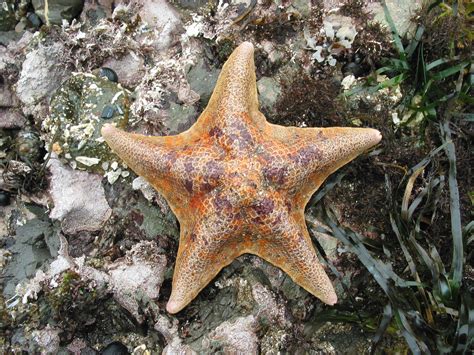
point(237, 337)
point(401, 11)
point(10, 119)
point(192, 4)
point(7, 96)
point(129, 68)
point(269, 91)
point(268, 307)
point(41, 73)
point(169, 330)
point(94, 10)
point(202, 80)
point(78, 197)
point(180, 118)
point(141, 271)
point(29, 253)
point(47, 339)
point(163, 17)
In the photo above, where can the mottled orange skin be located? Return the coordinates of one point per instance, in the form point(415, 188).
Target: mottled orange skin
point(239, 184)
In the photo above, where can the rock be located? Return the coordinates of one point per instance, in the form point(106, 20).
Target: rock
point(169, 331)
point(202, 79)
point(7, 96)
point(192, 4)
point(78, 197)
point(10, 119)
point(269, 91)
point(238, 336)
point(34, 244)
point(180, 118)
point(140, 272)
point(129, 68)
point(162, 17)
point(55, 11)
point(401, 11)
point(94, 10)
point(268, 306)
point(146, 189)
point(47, 339)
point(41, 73)
point(77, 113)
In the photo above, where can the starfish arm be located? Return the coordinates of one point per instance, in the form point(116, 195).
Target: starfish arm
point(145, 155)
point(204, 250)
point(289, 247)
point(236, 88)
point(307, 156)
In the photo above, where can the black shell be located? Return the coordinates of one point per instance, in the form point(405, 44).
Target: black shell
point(4, 198)
point(108, 112)
point(109, 74)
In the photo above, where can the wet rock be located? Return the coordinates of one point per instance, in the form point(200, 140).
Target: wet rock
point(238, 336)
point(77, 115)
point(47, 339)
point(11, 119)
point(179, 118)
point(35, 243)
point(41, 73)
point(269, 91)
point(55, 11)
point(129, 68)
point(162, 17)
point(202, 79)
point(78, 197)
point(401, 11)
point(140, 272)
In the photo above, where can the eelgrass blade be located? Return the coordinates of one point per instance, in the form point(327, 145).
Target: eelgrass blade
point(415, 41)
point(387, 317)
point(464, 337)
point(396, 37)
point(455, 208)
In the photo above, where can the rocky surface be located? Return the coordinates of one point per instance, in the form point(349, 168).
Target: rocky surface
point(87, 248)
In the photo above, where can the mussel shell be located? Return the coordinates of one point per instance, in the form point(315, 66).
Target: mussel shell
point(109, 74)
point(108, 112)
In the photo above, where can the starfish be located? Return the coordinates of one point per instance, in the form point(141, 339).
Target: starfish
point(238, 184)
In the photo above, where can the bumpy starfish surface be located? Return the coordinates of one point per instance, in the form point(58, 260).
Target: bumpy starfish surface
point(238, 184)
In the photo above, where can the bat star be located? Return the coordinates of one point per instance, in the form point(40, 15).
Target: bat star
point(238, 184)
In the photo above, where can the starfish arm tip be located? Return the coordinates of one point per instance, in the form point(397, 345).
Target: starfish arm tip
point(331, 300)
point(107, 130)
point(377, 135)
point(173, 307)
